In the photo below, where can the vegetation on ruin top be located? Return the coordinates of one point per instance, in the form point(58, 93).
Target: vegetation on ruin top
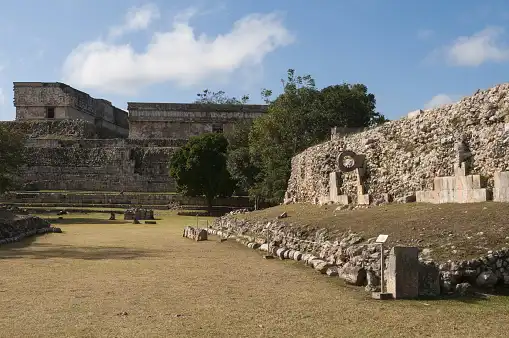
point(451, 231)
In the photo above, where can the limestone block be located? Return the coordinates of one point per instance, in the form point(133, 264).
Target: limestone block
point(479, 195)
point(476, 182)
point(403, 272)
point(341, 199)
point(352, 274)
point(333, 185)
point(364, 199)
point(501, 187)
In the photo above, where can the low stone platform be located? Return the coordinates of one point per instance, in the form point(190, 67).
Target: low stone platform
point(15, 227)
point(139, 214)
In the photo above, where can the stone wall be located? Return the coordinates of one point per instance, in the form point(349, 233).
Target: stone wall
point(33, 100)
point(405, 156)
point(181, 121)
point(53, 129)
point(97, 165)
point(97, 198)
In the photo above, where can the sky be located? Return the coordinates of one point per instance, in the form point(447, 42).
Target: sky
point(411, 54)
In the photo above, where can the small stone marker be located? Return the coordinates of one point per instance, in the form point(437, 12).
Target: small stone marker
point(196, 234)
point(382, 295)
point(403, 272)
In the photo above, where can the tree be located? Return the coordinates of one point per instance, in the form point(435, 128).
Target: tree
point(199, 168)
point(239, 162)
point(208, 97)
point(11, 157)
point(300, 117)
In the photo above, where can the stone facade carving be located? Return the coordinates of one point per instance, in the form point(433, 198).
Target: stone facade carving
point(406, 155)
point(181, 121)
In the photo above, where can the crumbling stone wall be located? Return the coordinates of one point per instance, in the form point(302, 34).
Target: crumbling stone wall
point(53, 129)
point(181, 121)
point(33, 99)
point(97, 165)
point(404, 156)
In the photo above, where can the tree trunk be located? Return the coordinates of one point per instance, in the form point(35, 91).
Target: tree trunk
point(209, 204)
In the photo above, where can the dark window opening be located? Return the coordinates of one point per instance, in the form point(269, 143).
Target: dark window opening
point(50, 113)
point(217, 128)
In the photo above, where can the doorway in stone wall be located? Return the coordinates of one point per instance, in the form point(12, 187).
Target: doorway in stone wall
point(50, 113)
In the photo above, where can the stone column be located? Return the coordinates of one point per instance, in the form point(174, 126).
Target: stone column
point(403, 272)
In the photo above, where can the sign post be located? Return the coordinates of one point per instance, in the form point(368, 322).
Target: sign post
point(381, 239)
point(268, 255)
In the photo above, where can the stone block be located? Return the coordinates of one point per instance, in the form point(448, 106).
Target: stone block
point(364, 199)
point(501, 186)
point(333, 185)
point(403, 272)
point(341, 199)
point(355, 275)
point(480, 195)
point(476, 182)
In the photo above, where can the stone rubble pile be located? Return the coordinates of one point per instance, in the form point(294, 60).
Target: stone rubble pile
point(196, 234)
point(238, 211)
point(357, 261)
point(138, 214)
point(404, 156)
point(14, 227)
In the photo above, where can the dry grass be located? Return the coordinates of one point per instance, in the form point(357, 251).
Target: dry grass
point(452, 231)
point(78, 283)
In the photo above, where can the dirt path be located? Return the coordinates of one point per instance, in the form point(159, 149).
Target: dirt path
point(123, 280)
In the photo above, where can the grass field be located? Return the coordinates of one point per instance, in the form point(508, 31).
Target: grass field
point(115, 279)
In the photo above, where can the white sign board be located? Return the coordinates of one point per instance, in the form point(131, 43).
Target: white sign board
point(381, 238)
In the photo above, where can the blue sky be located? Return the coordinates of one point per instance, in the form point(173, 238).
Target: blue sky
point(410, 54)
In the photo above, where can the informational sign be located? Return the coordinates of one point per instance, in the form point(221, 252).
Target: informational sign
point(381, 238)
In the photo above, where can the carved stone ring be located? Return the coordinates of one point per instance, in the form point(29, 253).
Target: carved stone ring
point(346, 161)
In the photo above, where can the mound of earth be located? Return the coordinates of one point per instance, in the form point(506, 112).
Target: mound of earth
point(448, 231)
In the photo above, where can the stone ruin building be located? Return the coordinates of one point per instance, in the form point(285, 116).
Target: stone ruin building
point(77, 142)
point(456, 153)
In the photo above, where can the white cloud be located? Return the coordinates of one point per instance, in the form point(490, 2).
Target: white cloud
point(474, 50)
point(2, 97)
point(137, 18)
point(424, 34)
point(440, 100)
point(177, 55)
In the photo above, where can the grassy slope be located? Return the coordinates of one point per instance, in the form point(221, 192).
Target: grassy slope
point(78, 283)
point(470, 229)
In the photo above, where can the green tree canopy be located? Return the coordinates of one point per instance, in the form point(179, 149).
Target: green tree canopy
point(239, 162)
point(199, 168)
point(298, 118)
point(11, 157)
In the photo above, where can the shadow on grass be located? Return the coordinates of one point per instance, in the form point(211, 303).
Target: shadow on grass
point(46, 250)
point(84, 220)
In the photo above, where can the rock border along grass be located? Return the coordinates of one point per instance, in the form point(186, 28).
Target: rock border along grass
point(357, 261)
